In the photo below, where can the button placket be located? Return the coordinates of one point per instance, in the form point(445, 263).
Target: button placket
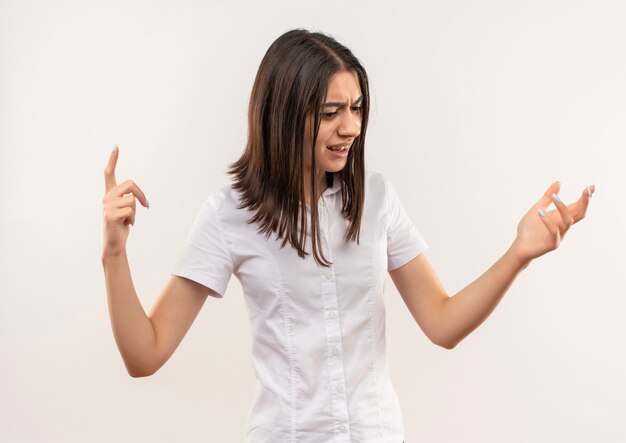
point(333, 328)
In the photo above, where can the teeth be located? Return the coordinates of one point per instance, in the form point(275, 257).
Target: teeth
point(339, 148)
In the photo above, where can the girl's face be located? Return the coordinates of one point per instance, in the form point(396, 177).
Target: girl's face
point(340, 124)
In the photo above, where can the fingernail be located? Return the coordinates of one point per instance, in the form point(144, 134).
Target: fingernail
point(114, 148)
point(541, 213)
point(588, 192)
point(556, 198)
point(147, 204)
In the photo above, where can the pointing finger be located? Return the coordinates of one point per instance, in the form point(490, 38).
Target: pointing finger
point(109, 171)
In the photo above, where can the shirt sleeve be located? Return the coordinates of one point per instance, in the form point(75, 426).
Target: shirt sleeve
point(206, 258)
point(404, 241)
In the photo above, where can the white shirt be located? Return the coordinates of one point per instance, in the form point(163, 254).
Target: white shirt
point(318, 345)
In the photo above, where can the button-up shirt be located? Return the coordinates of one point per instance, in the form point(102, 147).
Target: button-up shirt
point(318, 345)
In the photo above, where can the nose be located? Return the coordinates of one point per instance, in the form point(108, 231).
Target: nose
point(349, 125)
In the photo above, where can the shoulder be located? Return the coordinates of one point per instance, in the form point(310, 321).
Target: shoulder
point(225, 202)
point(222, 197)
point(375, 178)
point(382, 191)
point(375, 185)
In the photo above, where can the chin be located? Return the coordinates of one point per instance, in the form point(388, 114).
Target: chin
point(334, 168)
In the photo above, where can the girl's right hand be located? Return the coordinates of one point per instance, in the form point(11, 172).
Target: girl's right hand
point(119, 207)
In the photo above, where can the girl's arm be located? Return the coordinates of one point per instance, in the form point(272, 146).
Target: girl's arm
point(448, 320)
point(144, 341)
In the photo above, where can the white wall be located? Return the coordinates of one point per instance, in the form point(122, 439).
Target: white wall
point(477, 108)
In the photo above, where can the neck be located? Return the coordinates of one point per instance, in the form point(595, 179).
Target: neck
point(321, 187)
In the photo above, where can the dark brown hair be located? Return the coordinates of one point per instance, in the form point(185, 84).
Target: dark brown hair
point(291, 84)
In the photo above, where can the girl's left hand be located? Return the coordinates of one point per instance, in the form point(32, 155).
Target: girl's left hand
point(537, 234)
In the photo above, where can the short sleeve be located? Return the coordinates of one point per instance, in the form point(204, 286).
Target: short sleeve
point(205, 258)
point(404, 241)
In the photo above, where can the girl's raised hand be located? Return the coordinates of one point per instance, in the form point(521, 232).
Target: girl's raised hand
point(118, 207)
point(542, 231)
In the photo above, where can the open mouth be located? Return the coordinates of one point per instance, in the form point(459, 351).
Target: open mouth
point(338, 148)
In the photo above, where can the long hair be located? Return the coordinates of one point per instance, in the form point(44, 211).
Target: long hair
point(290, 85)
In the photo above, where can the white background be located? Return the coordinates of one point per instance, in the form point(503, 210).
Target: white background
point(477, 108)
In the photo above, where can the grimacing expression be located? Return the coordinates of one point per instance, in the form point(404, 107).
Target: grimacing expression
point(340, 124)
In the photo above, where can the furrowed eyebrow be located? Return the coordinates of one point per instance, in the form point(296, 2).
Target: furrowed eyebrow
point(356, 102)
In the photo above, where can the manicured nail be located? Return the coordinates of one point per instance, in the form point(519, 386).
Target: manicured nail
point(588, 192)
point(556, 198)
point(114, 148)
point(541, 213)
point(147, 204)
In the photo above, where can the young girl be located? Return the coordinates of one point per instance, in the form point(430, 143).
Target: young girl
point(310, 234)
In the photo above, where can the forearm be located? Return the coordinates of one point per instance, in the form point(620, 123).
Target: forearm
point(133, 331)
point(465, 311)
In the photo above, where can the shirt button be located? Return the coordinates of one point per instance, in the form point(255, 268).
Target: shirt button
point(342, 428)
point(335, 350)
point(329, 275)
point(339, 388)
point(332, 314)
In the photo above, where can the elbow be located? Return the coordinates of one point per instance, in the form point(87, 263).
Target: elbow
point(445, 343)
point(139, 372)
point(143, 367)
point(441, 337)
